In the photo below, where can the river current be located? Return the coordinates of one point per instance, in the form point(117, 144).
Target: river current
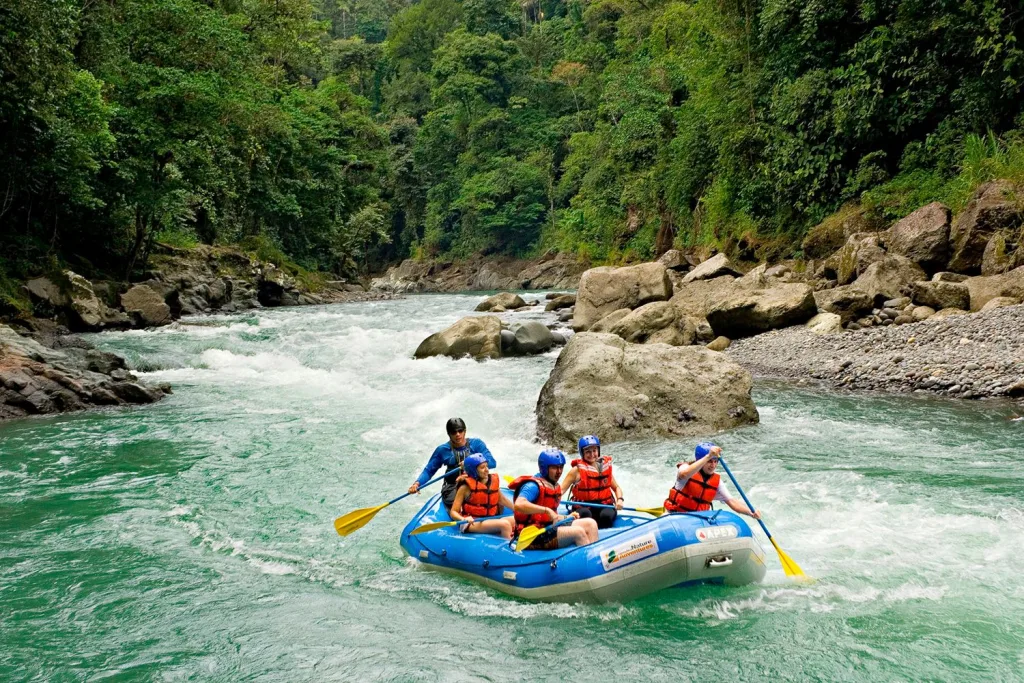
point(193, 539)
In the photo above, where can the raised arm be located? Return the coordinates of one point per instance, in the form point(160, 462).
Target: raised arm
point(433, 465)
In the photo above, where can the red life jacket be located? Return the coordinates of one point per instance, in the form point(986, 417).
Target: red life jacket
point(594, 486)
point(484, 499)
point(697, 494)
point(550, 496)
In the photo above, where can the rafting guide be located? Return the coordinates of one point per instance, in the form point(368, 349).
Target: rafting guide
point(451, 454)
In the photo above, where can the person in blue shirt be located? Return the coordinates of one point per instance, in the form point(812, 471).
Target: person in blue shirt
point(451, 454)
point(535, 503)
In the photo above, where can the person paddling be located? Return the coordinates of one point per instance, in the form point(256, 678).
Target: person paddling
point(479, 495)
point(592, 480)
point(451, 454)
point(698, 486)
point(536, 502)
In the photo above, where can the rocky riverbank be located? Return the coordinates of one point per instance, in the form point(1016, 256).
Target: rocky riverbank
point(551, 271)
point(50, 371)
point(963, 356)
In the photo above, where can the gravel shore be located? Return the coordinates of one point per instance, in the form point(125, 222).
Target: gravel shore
point(966, 356)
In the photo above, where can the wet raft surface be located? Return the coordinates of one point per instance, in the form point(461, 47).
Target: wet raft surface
point(193, 538)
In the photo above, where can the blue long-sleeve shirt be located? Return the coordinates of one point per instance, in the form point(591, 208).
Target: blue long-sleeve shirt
point(445, 455)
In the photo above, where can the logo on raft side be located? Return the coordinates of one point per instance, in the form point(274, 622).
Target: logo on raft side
point(631, 551)
point(717, 533)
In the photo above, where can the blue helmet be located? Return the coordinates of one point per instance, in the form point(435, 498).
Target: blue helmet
point(472, 462)
point(550, 457)
point(702, 449)
point(589, 440)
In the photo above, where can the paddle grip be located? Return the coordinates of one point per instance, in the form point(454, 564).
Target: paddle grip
point(407, 494)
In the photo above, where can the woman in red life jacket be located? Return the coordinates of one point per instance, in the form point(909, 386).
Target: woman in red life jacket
point(593, 482)
point(536, 502)
point(479, 495)
point(698, 486)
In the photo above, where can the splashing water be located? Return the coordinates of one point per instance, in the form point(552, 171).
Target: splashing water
point(193, 538)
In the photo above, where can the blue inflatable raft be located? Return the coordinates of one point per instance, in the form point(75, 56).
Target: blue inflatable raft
point(637, 556)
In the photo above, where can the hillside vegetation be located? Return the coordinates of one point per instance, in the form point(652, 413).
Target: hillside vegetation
point(342, 134)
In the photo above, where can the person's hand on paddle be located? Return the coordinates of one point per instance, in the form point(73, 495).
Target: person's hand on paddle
point(415, 488)
point(756, 514)
point(468, 519)
point(618, 503)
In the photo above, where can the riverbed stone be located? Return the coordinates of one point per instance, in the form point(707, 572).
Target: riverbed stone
point(922, 313)
point(606, 289)
point(478, 337)
point(642, 389)
point(825, 323)
point(860, 251)
point(718, 344)
point(506, 300)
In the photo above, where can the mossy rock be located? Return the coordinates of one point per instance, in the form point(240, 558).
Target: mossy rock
point(829, 235)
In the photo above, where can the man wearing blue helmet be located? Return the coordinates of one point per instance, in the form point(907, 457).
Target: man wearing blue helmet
point(535, 502)
point(698, 485)
point(451, 454)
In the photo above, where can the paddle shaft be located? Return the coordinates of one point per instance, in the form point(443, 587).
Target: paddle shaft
point(435, 479)
point(570, 503)
point(750, 506)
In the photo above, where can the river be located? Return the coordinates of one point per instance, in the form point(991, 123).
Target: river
point(192, 539)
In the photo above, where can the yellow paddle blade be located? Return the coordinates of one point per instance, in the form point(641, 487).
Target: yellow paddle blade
point(508, 479)
point(790, 567)
point(356, 519)
point(528, 536)
point(431, 527)
point(657, 512)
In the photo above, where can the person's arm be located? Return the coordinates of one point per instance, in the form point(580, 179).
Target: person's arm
point(619, 498)
point(433, 465)
point(737, 505)
point(570, 478)
point(685, 471)
point(526, 506)
point(484, 451)
point(456, 511)
point(505, 502)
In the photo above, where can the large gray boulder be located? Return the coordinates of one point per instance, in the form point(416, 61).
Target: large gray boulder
point(84, 303)
point(146, 306)
point(505, 300)
point(832, 233)
point(606, 289)
point(602, 384)
point(746, 311)
point(848, 302)
point(658, 322)
point(985, 288)
point(825, 323)
point(941, 295)
point(923, 237)
point(673, 259)
point(888, 277)
point(994, 206)
point(696, 298)
point(716, 266)
point(531, 337)
point(475, 336)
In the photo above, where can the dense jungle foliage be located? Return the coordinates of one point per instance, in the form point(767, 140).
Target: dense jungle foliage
point(346, 133)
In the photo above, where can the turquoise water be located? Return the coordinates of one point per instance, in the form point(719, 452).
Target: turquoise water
point(192, 539)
